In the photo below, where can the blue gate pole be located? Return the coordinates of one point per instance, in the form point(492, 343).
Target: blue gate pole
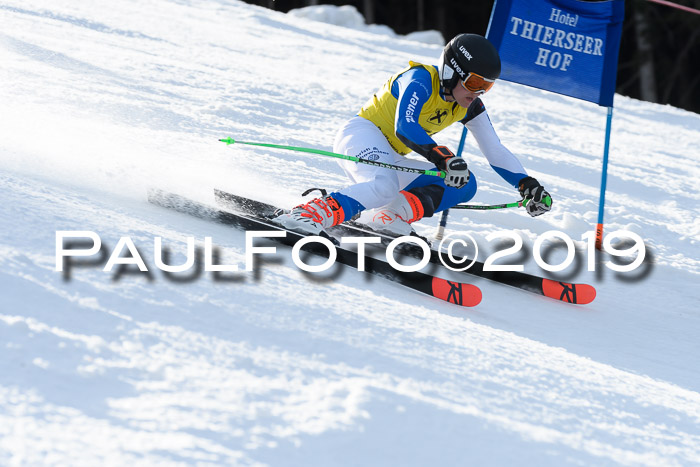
point(603, 182)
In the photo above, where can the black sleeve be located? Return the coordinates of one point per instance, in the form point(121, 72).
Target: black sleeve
point(475, 108)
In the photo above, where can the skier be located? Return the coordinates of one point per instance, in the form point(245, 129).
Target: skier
point(411, 106)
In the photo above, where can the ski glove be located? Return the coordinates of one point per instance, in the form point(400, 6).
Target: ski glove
point(455, 168)
point(539, 200)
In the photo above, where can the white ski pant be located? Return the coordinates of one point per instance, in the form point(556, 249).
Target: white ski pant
point(372, 186)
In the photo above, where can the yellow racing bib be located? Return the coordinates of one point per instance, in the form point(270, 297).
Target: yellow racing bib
point(436, 114)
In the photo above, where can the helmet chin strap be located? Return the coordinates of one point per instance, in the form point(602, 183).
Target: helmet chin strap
point(447, 93)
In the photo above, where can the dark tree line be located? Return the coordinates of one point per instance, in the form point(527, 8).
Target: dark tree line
point(659, 53)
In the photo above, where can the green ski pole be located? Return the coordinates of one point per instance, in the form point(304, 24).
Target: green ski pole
point(517, 204)
point(436, 173)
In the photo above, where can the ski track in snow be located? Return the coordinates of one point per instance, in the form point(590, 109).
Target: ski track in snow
point(101, 101)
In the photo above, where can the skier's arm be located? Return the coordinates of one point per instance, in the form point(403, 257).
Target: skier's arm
point(504, 162)
point(412, 89)
point(501, 159)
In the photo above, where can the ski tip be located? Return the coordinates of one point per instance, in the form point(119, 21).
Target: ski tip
point(456, 292)
point(227, 140)
point(580, 294)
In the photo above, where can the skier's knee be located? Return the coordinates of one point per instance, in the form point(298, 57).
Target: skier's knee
point(429, 196)
point(452, 196)
point(468, 191)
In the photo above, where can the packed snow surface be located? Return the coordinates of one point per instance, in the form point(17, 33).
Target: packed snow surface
point(102, 100)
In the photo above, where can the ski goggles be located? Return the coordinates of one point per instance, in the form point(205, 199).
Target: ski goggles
point(477, 83)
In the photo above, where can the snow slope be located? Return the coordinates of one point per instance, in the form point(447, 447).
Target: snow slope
point(101, 100)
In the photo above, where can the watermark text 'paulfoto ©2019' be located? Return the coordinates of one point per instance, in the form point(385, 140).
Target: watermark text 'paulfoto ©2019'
point(72, 244)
